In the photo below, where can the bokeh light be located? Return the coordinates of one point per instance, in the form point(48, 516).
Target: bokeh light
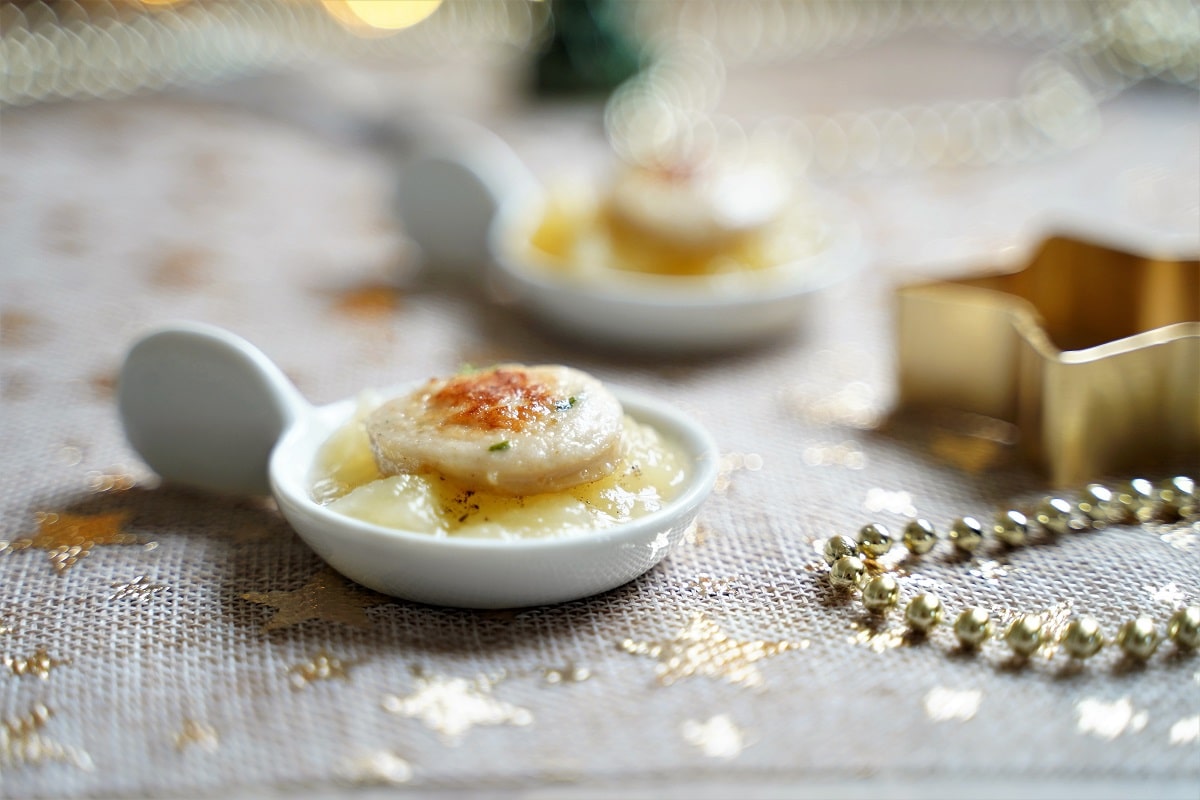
point(380, 17)
point(59, 49)
point(673, 111)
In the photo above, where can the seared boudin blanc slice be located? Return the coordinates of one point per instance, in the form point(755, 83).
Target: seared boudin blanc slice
point(511, 429)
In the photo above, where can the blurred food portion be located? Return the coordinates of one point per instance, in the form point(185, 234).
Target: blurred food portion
point(718, 219)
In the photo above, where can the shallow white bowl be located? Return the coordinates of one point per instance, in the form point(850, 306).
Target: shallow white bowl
point(206, 408)
point(488, 573)
point(664, 313)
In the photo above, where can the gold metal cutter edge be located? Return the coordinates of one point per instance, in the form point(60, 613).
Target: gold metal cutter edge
point(1091, 351)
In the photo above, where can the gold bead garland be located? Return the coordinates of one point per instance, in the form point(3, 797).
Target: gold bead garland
point(1082, 637)
point(874, 540)
point(1140, 501)
point(1026, 634)
point(1138, 637)
point(880, 593)
point(839, 546)
point(848, 572)
point(973, 627)
point(924, 612)
point(966, 534)
point(919, 536)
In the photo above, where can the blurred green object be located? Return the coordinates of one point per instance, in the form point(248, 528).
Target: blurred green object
point(589, 51)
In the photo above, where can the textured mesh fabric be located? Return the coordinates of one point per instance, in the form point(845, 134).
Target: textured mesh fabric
point(144, 667)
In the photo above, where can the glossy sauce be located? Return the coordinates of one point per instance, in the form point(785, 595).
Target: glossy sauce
point(649, 473)
point(578, 234)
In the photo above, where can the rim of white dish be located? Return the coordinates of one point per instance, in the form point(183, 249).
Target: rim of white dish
point(290, 479)
point(844, 256)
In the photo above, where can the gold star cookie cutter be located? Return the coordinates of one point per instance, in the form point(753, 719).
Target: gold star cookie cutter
point(1091, 351)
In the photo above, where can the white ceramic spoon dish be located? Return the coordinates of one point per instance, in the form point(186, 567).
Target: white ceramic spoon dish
point(470, 203)
point(666, 313)
point(203, 407)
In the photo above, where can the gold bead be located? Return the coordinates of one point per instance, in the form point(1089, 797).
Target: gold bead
point(1055, 515)
point(924, 612)
point(1141, 501)
point(1179, 497)
point(1098, 503)
point(1082, 638)
point(839, 546)
point(874, 540)
point(1138, 638)
point(919, 536)
point(1025, 635)
point(1012, 528)
point(966, 534)
point(973, 627)
point(848, 572)
point(880, 593)
point(1183, 627)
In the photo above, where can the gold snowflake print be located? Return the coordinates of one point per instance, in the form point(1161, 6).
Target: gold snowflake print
point(22, 742)
point(198, 734)
point(321, 667)
point(40, 664)
point(453, 706)
point(702, 648)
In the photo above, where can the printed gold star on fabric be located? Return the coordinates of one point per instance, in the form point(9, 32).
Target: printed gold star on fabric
point(1185, 731)
point(321, 667)
point(198, 734)
point(1106, 719)
point(568, 673)
point(453, 706)
point(22, 742)
point(17, 326)
point(879, 636)
point(327, 596)
point(378, 768)
point(702, 648)
point(943, 704)
point(1182, 536)
point(41, 664)
point(735, 462)
point(139, 589)
point(716, 737)
point(696, 534)
point(709, 586)
point(182, 268)
point(68, 538)
point(373, 301)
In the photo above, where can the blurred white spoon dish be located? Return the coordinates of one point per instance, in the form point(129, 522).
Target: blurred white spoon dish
point(716, 257)
point(450, 191)
point(674, 269)
point(203, 407)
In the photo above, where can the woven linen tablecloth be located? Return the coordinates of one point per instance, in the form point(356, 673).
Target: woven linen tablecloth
point(200, 648)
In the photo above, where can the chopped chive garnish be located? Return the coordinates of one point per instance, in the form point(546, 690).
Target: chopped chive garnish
point(500, 446)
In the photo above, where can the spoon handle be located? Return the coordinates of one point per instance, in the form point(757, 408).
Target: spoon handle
point(451, 191)
point(204, 407)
